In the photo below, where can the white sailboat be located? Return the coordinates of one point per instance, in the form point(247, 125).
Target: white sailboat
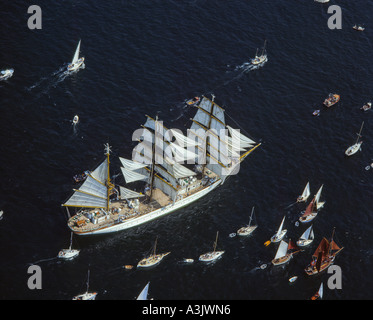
point(245, 231)
point(282, 255)
point(77, 62)
point(153, 259)
point(168, 184)
point(312, 209)
point(144, 293)
point(70, 253)
point(6, 74)
point(212, 255)
point(260, 59)
point(306, 238)
point(87, 295)
point(306, 193)
point(280, 232)
point(355, 147)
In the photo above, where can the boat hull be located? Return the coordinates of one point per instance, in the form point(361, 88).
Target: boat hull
point(353, 149)
point(245, 231)
point(76, 65)
point(152, 261)
point(281, 260)
point(68, 254)
point(275, 239)
point(136, 221)
point(86, 296)
point(311, 270)
point(303, 243)
point(210, 256)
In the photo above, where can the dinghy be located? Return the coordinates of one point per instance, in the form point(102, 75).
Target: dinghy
point(87, 295)
point(144, 293)
point(332, 99)
point(306, 238)
point(306, 193)
point(213, 255)
point(153, 259)
point(245, 231)
point(6, 74)
point(355, 147)
point(193, 101)
point(319, 294)
point(284, 253)
point(75, 120)
point(358, 28)
point(260, 59)
point(312, 209)
point(366, 106)
point(68, 254)
point(292, 279)
point(77, 62)
point(280, 233)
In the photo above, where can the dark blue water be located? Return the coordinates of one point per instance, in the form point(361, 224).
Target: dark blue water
point(147, 57)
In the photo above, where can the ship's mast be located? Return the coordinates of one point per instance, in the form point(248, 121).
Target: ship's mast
point(153, 161)
point(108, 181)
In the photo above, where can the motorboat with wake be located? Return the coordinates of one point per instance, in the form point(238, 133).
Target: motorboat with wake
point(77, 61)
point(355, 147)
point(6, 74)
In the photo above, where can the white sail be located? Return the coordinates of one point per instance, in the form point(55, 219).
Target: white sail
point(321, 290)
point(308, 234)
point(76, 55)
point(280, 228)
point(244, 141)
point(101, 172)
point(144, 293)
point(317, 198)
point(306, 192)
point(129, 194)
point(181, 154)
point(282, 250)
point(131, 176)
point(131, 165)
point(183, 140)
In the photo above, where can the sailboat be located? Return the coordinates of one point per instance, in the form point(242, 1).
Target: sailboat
point(153, 259)
point(212, 255)
point(323, 257)
point(284, 253)
point(6, 74)
point(355, 147)
point(144, 293)
point(168, 184)
point(87, 295)
point(245, 231)
point(77, 62)
point(306, 193)
point(319, 294)
point(312, 209)
point(306, 238)
point(70, 253)
point(280, 233)
point(260, 59)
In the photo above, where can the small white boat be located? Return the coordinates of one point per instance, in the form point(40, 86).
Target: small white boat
point(355, 147)
point(260, 59)
point(366, 106)
point(153, 259)
point(188, 260)
point(312, 209)
point(306, 238)
point(75, 120)
point(292, 279)
point(87, 295)
point(306, 193)
point(245, 231)
point(68, 254)
point(280, 233)
point(77, 62)
point(6, 74)
point(322, 1)
point(144, 293)
point(358, 28)
point(213, 255)
point(1, 214)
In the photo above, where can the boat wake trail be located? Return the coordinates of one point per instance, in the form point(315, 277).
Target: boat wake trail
point(42, 260)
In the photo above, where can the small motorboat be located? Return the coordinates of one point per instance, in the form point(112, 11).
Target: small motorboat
point(358, 28)
point(316, 113)
point(193, 101)
point(292, 279)
point(75, 120)
point(188, 260)
point(366, 106)
point(331, 100)
point(6, 74)
point(128, 267)
point(213, 255)
point(80, 177)
point(77, 62)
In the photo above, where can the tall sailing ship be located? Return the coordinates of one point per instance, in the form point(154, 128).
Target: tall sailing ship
point(101, 207)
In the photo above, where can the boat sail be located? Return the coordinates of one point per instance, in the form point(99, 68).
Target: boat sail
point(306, 193)
point(312, 209)
point(306, 238)
point(355, 147)
point(245, 231)
point(213, 255)
point(157, 163)
point(280, 233)
point(323, 257)
point(77, 62)
point(319, 294)
point(144, 293)
point(284, 253)
point(153, 259)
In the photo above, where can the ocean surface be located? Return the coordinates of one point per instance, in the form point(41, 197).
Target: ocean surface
point(148, 57)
